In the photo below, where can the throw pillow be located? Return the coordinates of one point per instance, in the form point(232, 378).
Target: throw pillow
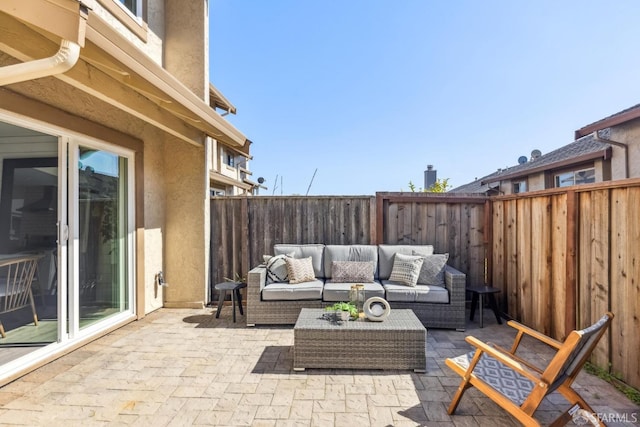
point(406, 269)
point(432, 271)
point(352, 271)
point(277, 268)
point(300, 270)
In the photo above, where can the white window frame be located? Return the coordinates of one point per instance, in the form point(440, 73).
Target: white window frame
point(556, 177)
point(137, 14)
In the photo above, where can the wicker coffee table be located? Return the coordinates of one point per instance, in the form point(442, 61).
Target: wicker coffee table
point(397, 343)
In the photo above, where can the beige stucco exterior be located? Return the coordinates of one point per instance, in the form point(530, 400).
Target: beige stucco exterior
point(140, 83)
point(629, 134)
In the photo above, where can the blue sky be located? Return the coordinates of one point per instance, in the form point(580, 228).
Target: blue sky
point(370, 92)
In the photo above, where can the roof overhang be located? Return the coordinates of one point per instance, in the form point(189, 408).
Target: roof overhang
point(223, 179)
point(64, 19)
point(616, 119)
point(600, 154)
point(218, 100)
point(113, 70)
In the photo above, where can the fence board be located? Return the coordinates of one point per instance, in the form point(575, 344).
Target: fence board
point(541, 264)
point(510, 238)
point(523, 244)
point(498, 280)
point(558, 264)
point(600, 262)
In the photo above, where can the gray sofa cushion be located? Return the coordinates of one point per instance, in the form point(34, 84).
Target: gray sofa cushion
point(340, 291)
point(315, 251)
point(348, 253)
point(301, 291)
point(418, 293)
point(386, 253)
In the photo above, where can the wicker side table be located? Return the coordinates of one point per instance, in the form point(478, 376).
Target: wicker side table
point(397, 343)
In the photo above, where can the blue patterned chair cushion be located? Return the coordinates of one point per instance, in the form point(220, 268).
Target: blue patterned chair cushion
point(502, 378)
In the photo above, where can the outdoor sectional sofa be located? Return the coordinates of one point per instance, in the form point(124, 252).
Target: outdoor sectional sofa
point(281, 302)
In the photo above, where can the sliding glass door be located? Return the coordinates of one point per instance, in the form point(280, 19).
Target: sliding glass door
point(66, 240)
point(101, 226)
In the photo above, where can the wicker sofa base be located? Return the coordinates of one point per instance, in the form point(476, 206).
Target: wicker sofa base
point(397, 343)
point(432, 315)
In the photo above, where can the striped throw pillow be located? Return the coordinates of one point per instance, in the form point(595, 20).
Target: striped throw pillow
point(406, 269)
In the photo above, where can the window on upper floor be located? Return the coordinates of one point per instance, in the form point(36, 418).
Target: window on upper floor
point(520, 186)
point(230, 160)
point(577, 177)
point(134, 6)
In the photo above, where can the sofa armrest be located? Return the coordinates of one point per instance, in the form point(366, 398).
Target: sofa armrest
point(257, 278)
point(456, 282)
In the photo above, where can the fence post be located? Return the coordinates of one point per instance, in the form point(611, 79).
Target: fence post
point(571, 260)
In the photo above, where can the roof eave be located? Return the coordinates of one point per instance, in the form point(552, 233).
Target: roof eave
point(604, 154)
point(614, 120)
point(198, 113)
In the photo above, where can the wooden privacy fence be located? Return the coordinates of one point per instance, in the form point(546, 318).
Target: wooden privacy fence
point(564, 257)
point(245, 228)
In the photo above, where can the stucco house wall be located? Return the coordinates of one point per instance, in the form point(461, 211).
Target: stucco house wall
point(629, 134)
point(173, 232)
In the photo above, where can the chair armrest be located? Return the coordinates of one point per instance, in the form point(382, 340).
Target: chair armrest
point(456, 282)
point(534, 334)
point(505, 359)
point(257, 278)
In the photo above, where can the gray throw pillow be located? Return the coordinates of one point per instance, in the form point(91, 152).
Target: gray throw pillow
point(432, 271)
point(406, 269)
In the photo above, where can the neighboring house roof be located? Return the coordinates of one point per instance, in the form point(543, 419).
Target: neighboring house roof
point(217, 100)
point(478, 186)
point(623, 116)
point(582, 150)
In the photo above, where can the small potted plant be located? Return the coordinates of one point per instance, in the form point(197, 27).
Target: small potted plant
point(344, 310)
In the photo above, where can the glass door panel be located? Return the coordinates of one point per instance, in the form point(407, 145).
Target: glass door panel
point(103, 250)
point(29, 202)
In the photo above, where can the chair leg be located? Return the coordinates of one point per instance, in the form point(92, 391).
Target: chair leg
point(222, 295)
point(239, 299)
point(574, 399)
point(4, 335)
point(33, 308)
point(464, 385)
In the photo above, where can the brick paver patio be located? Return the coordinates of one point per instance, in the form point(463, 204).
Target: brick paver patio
point(185, 367)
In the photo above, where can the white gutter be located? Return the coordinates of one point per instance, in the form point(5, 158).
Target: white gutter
point(62, 61)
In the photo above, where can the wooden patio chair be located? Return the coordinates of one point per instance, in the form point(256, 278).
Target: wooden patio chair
point(519, 386)
point(16, 277)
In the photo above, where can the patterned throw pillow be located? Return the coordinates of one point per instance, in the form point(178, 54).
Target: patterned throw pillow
point(352, 271)
point(277, 268)
point(300, 270)
point(406, 269)
point(432, 271)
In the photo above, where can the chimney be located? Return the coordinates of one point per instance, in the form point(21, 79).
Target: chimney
point(430, 177)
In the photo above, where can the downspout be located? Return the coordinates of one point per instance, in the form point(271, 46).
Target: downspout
point(624, 146)
point(62, 61)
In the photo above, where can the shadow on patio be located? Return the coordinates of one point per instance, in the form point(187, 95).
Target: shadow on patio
point(184, 367)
